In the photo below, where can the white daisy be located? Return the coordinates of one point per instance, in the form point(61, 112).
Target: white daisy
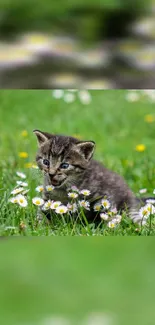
point(49, 188)
point(38, 201)
point(22, 175)
point(55, 205)
point(143, 190)
point(153, 191)
point(74, 189)
point(25, 192)
point(72, 207)
point(58, 93)
point(72, 195)
point(85, 192)
point(113, 211)
point(69, 97)
point(36, 43)
point(132, 96)
point(85, 97)
point(10, 228)
point(40, 188)
point(152, 201)
point(22, 201)
point(61, 209)
point(150, 208)
point(105, 203)
point(118, 218)
point(104, 216)
point(144, 213)
point(17, 190)
point(84, 204)
point(111, 224)
point(47, 205)
point(14, 200)
point(97, 207)
point(22, 183)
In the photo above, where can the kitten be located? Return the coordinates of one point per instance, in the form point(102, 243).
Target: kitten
point(66, 161)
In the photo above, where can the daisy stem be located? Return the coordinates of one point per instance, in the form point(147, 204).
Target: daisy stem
point(85, 219)
point(150, 223)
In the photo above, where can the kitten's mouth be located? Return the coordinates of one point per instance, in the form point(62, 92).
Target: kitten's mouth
point(56, 183)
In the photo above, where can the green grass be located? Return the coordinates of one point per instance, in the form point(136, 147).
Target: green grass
point(116, 126)
point(73, 278)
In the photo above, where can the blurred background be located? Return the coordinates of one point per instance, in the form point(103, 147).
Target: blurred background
point(77, 44)
point(77, 281)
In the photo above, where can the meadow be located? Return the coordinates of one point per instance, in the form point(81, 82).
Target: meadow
point(121, 122)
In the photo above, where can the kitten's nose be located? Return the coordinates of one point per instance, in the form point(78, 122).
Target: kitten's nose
point(52, 172)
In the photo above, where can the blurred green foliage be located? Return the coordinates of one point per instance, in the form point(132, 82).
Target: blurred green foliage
point(74, 277)
point(82, 18)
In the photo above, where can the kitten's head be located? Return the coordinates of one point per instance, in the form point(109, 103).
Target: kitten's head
point(62, 158)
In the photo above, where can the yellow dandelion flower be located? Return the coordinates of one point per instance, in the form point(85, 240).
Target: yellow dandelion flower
point(24, 133)
point(23, 154)
point(149, 118)
point(30, 165)
point(140, 147)
point(77, 136)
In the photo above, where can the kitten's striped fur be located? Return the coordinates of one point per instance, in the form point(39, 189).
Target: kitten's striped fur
point(83, 172)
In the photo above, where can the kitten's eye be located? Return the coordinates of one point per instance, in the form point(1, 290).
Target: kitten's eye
point(64, 165)
point(46, 162)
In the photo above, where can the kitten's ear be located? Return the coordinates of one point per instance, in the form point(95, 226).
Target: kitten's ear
point(41, 136)
point(86, 149)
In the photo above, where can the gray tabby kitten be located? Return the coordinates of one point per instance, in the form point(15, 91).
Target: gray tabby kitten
point(66, 161)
